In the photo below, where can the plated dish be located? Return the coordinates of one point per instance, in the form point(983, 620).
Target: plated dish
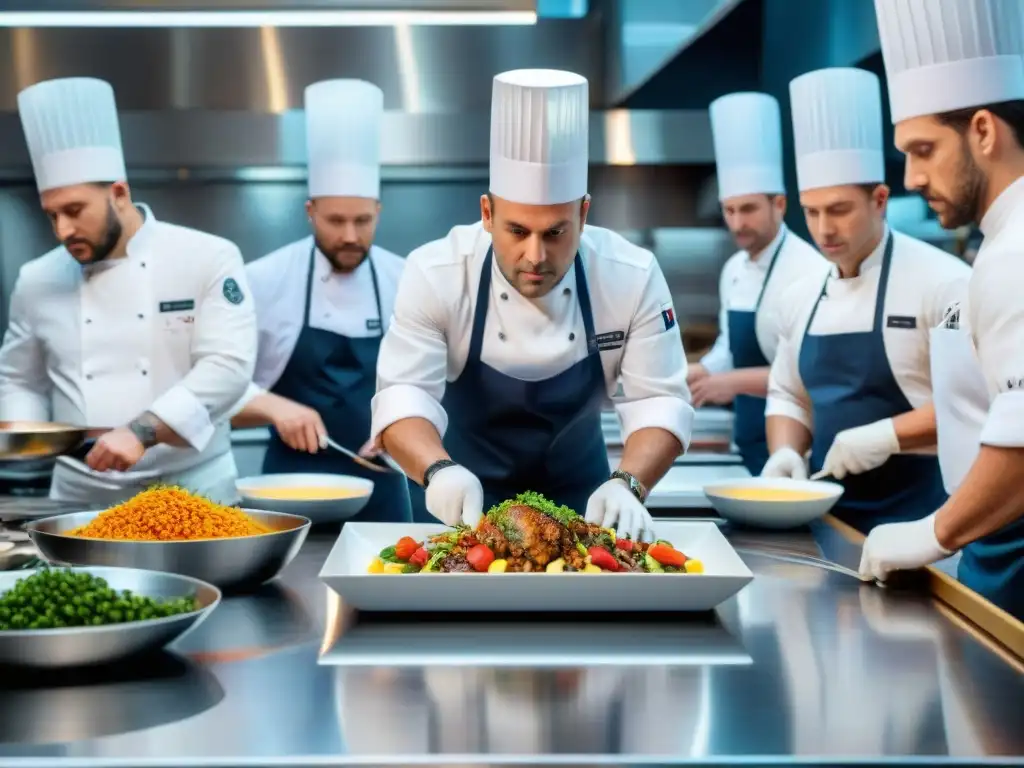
point(531, 534)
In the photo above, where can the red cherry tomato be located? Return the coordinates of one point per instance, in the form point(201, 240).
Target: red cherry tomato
point(419, 557)
point(603, 559)
point(406, 548)
point(480, 557)
point(626, 545)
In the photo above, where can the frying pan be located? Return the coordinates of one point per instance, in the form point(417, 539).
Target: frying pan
point(24, 441)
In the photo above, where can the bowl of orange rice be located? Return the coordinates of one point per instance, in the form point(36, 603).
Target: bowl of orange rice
point(166, 528)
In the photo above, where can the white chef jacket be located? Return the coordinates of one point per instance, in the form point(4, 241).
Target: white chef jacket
point(340, 303)
point(740, 286)
point(923, 282)
point(169, 328)
point(996, 312)
point(534, 339)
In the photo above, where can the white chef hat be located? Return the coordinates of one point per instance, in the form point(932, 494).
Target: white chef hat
point(343, 126)
point(837, 128)
point(747, 132)
point(944, 55)
point(540, 121)
point(72, 132)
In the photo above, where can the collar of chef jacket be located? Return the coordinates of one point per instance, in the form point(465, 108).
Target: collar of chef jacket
point(769, 253)
point(873, 261)
point(1002, 210)
point(136, 245)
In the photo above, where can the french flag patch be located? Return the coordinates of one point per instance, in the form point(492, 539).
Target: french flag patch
point(668, 316)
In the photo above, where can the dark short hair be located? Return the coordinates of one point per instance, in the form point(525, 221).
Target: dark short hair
point(1010, 112)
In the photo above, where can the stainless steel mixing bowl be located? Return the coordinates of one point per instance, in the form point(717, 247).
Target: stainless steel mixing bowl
point(80, 646)
point(22, 441)
point(230, 563)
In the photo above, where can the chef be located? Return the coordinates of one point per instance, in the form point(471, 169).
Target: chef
point(131, 324)
point(957, 100)
point(850, 380)
point(510, 334)
point(747, 131)
point(324, 302)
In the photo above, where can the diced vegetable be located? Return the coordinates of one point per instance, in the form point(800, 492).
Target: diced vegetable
point(694, 566)
point(556, 566)
point(377, 566)
point(626, 545)
point(406, 548)
point(666, 555)
point(498, 566)
point(603, 559)
point(394, 567)
point(591, 568)
point(480, 557)
point(580, 548)
point(388, 555)
point(419, 557)
point(652, 565)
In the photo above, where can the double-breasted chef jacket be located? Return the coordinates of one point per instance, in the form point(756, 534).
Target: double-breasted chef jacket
point(319, 341)
point(635, 335)
point(169, 329)
point(921, 283)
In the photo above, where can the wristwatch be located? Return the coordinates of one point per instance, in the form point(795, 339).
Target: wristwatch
point(434, 468)
point(145, 432)
point(635, 486)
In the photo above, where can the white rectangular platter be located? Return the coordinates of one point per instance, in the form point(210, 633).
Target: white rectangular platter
point(345, 571)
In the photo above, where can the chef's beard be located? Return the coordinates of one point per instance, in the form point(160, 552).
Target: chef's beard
point(102, 249)
point(964, 206)
point(353, 256)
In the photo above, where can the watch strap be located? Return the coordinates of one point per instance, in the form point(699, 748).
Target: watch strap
point(434, 468)
point(635, 486)
point(145, 432)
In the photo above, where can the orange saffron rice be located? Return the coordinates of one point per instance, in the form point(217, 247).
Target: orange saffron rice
point(169, 514)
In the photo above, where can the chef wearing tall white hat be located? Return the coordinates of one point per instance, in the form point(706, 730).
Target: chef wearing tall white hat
point(510, 334)
point(850, 380)
point(957, 98)
point(131, 324)
point(747, 131)
point(323, 304)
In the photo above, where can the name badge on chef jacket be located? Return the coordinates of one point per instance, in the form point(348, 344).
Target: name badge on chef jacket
point(373, 324)
point(901, 321)
point(178, 314)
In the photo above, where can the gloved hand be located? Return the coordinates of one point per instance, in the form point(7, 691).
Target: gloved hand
point(787, 463)
point(613, 505)
point(861, 449)
point(455, 496)
point(901, 546)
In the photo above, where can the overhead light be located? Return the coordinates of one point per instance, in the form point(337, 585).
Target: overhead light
point(263, 18)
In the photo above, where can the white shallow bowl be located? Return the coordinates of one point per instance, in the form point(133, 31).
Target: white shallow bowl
point(773, 514)
point(317, 510)
point(345, 571)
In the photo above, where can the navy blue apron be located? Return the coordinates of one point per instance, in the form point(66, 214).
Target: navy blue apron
point(337, 376)
point(542, 436)
point(850, 384)
point(993, 566)
point(748, 411)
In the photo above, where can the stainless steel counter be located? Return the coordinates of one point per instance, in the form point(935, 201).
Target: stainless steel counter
point(803, 665)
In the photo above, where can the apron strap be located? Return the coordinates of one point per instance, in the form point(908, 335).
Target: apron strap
point(483, 301)
point(583, 297)
point(309, 288)
point(771, 267)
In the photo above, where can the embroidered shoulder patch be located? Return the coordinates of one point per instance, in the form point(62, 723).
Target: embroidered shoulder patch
point(232, 291)
point(668, 317)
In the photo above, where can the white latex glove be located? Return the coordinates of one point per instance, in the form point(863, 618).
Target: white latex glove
point(787, 463)
point(613, 505)
point(861, 449)
point(455, 496)
point(900, 547)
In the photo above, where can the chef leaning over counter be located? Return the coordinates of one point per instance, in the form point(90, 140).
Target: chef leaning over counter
point(510, 334)
point(747, 132)
point(851, 378)
point(957, 100)
point(131, 324)
point(323, 304)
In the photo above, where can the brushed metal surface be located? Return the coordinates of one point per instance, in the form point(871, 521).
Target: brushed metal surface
point(81, 646)
point(31, 441)
point(229, 563)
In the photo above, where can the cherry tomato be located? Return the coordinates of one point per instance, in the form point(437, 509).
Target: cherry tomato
point(667, 556)
point(419, 557)
point(603, 559)
point(626, 545)
point(406, 548)
point(480, 557)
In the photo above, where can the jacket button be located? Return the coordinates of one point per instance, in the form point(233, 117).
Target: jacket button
point(88, 376)
point(566, 291)
point(572, 337)
point(141, 316)
point(501, 335)
point(504, 296)
point(88, 320)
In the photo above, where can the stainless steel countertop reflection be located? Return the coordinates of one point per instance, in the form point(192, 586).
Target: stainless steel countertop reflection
point(803, 664)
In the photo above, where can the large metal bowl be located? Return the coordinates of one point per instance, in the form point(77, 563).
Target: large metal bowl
point(82, 646)
point(25, 441)
point(319, 510)
point(230, 563)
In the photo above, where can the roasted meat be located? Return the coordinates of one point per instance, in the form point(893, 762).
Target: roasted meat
point(520, 532)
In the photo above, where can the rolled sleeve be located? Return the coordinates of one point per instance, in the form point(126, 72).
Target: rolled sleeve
point(653, 368)
point(786, 393)
point(223, 354)
point(412, 366)
point(997, 320)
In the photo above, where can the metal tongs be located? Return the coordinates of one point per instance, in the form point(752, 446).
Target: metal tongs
point(388, 463)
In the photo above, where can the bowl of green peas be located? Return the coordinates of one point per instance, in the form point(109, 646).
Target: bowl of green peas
point(72, 617)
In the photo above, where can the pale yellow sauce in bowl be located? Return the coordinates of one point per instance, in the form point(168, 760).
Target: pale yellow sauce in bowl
point(771, 494)
point(304, 493)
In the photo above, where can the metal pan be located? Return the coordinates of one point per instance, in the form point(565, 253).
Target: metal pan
point(23, 441)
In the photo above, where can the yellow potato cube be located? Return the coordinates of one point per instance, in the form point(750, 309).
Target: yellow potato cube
point(394, 567)
point(497, 566)
point(591, 568)
point(694, 566)
point(556, 566)
point(377, 566)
